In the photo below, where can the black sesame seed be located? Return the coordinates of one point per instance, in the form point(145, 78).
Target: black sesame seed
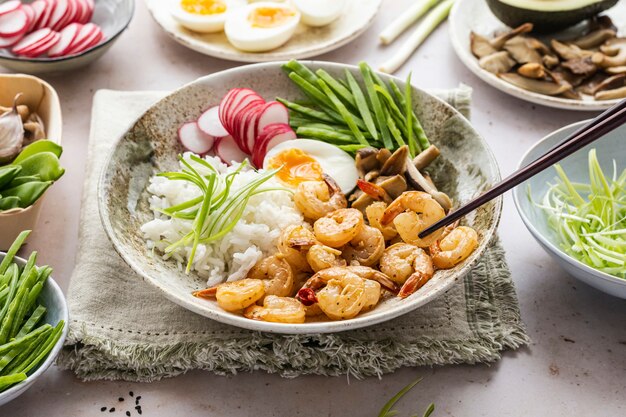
point(128, 413)
point(137, 407)
point(120, 399)
point(139, 411)
point(138, 397)
point(103, 409)
point(112, 410)
point(132, 394)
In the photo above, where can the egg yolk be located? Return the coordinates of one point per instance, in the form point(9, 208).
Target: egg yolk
point(297, 167)
point(269, 17)
point(203, 7)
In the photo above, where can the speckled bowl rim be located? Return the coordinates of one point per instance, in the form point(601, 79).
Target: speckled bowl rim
point(309, 327)
point(81, 54)
point(472, 64)
point(271, 56)
point(538, 235)
point(52, 355)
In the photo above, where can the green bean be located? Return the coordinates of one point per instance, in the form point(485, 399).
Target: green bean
point(351, 148)
point(391, 104)
point(337, 128)
point(307, 111)
point(8, 357)
point(7, 173)
point(30, 263)
point(26, 338)
point(342, 91)
point(408, 115)
point(301, 70)
point(32, 321)
point(27, 350)
point(8, 258)
point(345, 113)
point(324, 134)
point(378, 112)
point(44, 349)
point(361, 104)
point(393, 129)
point(417, 126)
point(12, 290)
point(9, 318)
point(312, 91)
point(7, 381)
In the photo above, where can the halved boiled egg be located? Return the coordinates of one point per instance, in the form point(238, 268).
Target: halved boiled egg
point(204, 16)
point(261, 26)
point(319, 12)
point(307, 159)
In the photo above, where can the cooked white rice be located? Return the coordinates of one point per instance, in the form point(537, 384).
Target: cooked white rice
point(253, 237)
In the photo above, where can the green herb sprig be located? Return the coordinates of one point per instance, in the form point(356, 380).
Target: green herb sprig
point(387, 410)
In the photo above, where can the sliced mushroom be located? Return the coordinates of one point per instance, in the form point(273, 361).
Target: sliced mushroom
point(616, 70)
point(499, 41)
point(497, 63)
point(361, 201)
point(532, 70)
point(424, 158)
point(610, 83)
point(611, 94)
point(537, 86)
point(550, 61)
point(538, 46)
point(519, 49)
point(372, 175)
point(366, 160)
point(569, 51)
point(562, 75)
point(417, 180)
point(590, 85)
point(581, 66)
point(595, 38)
point(480, 45)
point(383, 155)
point(396, 163)
point(393, 185)
point(613, 54)
point(601, 22)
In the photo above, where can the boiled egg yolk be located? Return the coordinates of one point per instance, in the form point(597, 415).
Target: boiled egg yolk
point(269, 17)
point(203, 7)
point(297, 167)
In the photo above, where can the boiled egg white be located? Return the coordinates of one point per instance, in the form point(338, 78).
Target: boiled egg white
point(203, 16)
point(307, 160)
point(261, 26)
point(319, 12)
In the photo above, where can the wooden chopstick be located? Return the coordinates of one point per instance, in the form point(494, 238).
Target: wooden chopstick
point(607, 121)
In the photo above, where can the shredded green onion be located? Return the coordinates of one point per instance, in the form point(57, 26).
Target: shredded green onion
point(216, 212)
point(590, 219)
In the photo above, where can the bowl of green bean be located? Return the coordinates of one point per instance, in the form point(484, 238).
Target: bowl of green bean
point(33, 317)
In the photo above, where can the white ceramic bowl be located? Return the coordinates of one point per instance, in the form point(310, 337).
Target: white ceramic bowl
point(610, 147)
point(53, 299)
point(475, 15)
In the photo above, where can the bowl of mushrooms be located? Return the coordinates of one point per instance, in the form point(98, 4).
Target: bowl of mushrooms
point(30, 137)
point(582, 67)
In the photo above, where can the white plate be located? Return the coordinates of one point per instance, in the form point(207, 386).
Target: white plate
point(474, 15)
point(306, 42)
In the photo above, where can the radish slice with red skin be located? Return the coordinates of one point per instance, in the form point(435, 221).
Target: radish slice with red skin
point(274, 112)
point(240, 124)
point(235, 98)
point(89, 43)
point(32, 40)
point(39, 7)
point(223, 107)
point(193, 139)
point(90, 8)
point(58, 14)
point(43, 47)
point(85, 35)
point(45, 16)
point(248, 122)
point(84, 12)
point(30, 12)
point(271, 136)
point(9, 42)
point(13, 23)
point(228, 150)
point(67, 17)
point(68, 34)
point(238, 108)
point(73, 13)
point(209, 123)
point(9, 6)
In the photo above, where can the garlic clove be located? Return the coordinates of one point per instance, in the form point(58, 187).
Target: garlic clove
point(11, 133)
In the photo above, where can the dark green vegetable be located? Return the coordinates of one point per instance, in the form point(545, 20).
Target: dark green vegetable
point(39, 146)
point(7, 173)
point(44, 164)
point(23, 342)
point(343, 111)
point(28, 193)
point(22, 180)
point(8, 203)
point(361, 103)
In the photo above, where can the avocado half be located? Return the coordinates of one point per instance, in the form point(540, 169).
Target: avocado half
point(547, 15)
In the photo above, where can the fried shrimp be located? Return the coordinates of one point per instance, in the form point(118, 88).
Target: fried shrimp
point(374, 212)
point(321, 257)
point(277, 310)
point(372, 274)
point(411, 213)
point(423, 272)
point(338, 292)
point(338, 227)
point(275, 274)
point(316, 199)
point(454, 247)
point(293, 244)
point(236, 295)
point(371, 295)
point(397, 261)
point(366, 248)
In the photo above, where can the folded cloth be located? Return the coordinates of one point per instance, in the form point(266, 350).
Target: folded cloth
point(123, 328)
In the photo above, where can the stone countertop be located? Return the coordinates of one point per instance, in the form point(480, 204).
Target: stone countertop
point(575, 365)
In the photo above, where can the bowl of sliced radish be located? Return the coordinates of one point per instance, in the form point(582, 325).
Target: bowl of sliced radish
point(57, 35)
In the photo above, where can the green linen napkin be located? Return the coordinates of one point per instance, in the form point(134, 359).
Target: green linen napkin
point(123, 328)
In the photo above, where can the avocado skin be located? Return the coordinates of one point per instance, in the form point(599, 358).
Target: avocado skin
point(545, 22)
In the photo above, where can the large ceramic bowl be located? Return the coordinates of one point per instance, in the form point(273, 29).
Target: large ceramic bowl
point(610, 147)
point(466, 168)
point(52, 298)
point(113, 16)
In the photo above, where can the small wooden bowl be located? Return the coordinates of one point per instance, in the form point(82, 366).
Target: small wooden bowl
point(40, 97)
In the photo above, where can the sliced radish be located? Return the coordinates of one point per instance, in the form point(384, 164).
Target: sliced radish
point(44, 19)
point(90, 42)
point(72, 7)
point(271, 136)
point(32, 40)
point(39, 7)
point(209, 123)
point(240, 123)
point(193, 139)
point(224, 105)
point(68, 34)
point(30, 13)
point(43, 47)
point(248, 123)
point(9, 6)
point(84, 37)
point(13, 23)
point(58, 14)
point(226, 148)
point(8, 42)
point(273, 112)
